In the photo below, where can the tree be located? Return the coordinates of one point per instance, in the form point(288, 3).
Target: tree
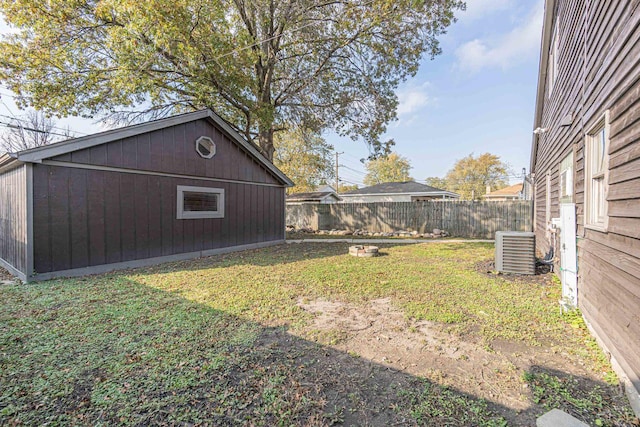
point(345, 188)
point(391, 168)
point(260, 64)
point(437, 182)
point(31, 130)
point(305, 158)
point(471, 175)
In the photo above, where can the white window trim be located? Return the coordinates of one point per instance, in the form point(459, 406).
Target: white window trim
point(602, 123)
point(566, 180)
point(181, 214)
point(212, 147)
point(547, 208)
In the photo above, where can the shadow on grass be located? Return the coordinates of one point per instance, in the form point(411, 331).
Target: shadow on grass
point(108, 350)
point(592, 402)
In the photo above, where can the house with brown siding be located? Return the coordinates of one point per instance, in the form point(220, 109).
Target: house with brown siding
point(585, 161)
point(177, 188)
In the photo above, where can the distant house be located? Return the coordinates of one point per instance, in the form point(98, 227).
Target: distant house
point(325, 194)
point(585, 159)
point(171, 189)
point(409, 191)
point(512, 192)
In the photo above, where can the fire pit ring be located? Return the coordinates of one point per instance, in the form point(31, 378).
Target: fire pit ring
point(363, 251)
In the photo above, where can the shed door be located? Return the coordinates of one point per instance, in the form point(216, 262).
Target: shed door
point(568, 256)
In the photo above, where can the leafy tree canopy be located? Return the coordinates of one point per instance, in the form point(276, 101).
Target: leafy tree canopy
point(437, 182)
point(345, 188)
point(390, 168)
point(471, 175)
point(260, 64)
point(304, 157)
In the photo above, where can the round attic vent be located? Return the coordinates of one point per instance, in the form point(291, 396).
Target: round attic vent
point(205, 147)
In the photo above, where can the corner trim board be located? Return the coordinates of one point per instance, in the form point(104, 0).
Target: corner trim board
point(30, 246)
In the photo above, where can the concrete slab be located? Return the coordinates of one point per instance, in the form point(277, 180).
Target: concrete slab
point(558, 418)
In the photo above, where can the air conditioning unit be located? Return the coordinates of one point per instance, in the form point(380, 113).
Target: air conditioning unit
point(516, 252)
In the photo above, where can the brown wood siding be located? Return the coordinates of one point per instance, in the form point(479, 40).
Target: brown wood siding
point(91, 217)
point(172, 150)
point(599, 71)
point(13, 218)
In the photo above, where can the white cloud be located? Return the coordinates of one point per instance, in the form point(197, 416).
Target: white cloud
point(412, 98)
point(517, 46)
point(479, 8)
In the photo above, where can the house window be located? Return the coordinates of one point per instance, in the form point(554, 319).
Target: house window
point(200, 202)
point(554, 53)
point(566, 179)
point(205, 147)
point(596, 174)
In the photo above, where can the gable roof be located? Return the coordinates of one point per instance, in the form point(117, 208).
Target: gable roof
point(407, 187)
point(512, 190)
point(312, 196)
point(38, 154)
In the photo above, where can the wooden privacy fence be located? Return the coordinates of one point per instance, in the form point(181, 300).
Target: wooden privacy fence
point(460, 219)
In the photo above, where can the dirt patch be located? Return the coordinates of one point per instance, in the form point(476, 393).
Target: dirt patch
point(5, 276)
point(543, 275)
point(379, 332)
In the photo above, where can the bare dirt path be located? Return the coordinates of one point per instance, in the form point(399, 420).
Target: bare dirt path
point(379, 332)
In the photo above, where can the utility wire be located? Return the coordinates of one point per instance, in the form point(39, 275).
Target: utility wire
point(351, 182)
point(12, 126)
point(52, 127)
point(353, 170)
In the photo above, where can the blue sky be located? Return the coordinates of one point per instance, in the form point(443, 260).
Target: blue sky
point(477, 96)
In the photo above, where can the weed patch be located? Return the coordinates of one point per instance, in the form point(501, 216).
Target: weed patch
point(592, 404)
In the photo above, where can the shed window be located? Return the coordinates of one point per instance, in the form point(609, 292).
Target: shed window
point(205, 147)
point(596, 173)
point(200, 202)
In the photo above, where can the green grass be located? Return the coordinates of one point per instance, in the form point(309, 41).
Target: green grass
point(435, 282)
point(205, 342)
point(436, 405)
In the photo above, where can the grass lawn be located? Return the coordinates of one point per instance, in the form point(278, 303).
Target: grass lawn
point(240, 339)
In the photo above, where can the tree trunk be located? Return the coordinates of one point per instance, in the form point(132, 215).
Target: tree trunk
point(265, 141)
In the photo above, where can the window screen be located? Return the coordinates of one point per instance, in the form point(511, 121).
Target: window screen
point(199, 202)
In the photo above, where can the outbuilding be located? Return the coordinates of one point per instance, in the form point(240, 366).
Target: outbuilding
point(176, 188)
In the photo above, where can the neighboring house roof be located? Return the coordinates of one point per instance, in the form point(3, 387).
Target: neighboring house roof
point(510, 191)
point(395, 188)
point(314, 196)
point(38, 154)
point(547, 32)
